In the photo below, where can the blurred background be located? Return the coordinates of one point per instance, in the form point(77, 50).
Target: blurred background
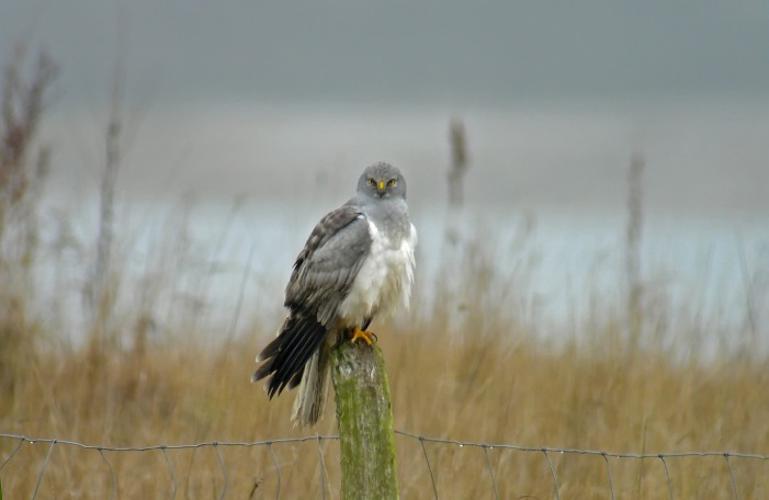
point(590, 181)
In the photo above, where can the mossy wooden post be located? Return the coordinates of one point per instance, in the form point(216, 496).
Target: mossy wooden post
point(364, 414)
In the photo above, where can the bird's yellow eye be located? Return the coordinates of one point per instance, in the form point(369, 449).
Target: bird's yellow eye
point(392, 183)
point(371, 181)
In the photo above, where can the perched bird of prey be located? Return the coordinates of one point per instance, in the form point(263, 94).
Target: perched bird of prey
point(357, 264)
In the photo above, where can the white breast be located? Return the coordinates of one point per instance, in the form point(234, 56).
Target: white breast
point(384, 281)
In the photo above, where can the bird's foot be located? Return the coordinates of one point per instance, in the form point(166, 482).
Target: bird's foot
point(368, 337)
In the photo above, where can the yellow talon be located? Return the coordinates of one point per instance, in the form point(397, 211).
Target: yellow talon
point(367, 337)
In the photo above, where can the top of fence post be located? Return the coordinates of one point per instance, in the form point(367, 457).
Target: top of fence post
point(364, 415)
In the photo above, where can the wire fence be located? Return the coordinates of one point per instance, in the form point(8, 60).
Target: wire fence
point(104, 452)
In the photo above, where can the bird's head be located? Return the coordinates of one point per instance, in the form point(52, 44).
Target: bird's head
point(382, 180)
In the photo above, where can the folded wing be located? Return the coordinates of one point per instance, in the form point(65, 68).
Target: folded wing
point(322, 277)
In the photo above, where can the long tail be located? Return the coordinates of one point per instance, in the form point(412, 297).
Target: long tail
point(311, 396)
point(284, 359)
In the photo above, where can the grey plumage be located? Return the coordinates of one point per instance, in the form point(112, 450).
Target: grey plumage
point(357, 262)
point(329, 262)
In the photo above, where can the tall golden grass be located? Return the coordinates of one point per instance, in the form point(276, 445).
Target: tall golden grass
point(469, 368)
point(482, 387)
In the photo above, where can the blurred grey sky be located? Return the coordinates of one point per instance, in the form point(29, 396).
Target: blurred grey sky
point(414, 51)
point(288, 99)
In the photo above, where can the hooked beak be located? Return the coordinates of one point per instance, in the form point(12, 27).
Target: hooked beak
point(380, 187)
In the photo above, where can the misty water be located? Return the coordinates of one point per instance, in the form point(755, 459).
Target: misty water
point(214, 204)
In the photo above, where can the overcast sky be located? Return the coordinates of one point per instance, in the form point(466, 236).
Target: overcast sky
point(271, 98)
point(400, 51)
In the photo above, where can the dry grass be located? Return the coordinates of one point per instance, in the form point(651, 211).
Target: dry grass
point(483, 388)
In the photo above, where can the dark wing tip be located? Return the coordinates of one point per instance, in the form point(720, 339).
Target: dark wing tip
point(284, 358)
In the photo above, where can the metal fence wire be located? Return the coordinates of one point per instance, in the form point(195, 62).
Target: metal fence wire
point(424, 442)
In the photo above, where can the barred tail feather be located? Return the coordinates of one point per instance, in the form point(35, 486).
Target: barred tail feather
point(284, 359)
point(311, 395)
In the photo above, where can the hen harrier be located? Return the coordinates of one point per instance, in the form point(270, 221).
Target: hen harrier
point(358, 263)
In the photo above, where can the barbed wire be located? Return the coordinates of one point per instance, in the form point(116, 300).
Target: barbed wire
point(578, 451)
point(663, 457)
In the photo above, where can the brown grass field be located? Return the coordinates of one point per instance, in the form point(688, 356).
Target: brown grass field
point(495, 385)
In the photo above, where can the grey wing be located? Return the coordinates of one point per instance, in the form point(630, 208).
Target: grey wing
point(323, 274)
point(325, 269)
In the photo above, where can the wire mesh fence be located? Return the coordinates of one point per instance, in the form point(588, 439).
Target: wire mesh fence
point(742, 475)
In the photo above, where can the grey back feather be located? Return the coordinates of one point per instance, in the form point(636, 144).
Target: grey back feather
point(326, 268)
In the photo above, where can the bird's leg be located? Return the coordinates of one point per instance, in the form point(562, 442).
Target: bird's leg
point(365, 326)
point(368, 337)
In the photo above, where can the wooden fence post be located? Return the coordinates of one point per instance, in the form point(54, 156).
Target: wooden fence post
point(364, 415)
